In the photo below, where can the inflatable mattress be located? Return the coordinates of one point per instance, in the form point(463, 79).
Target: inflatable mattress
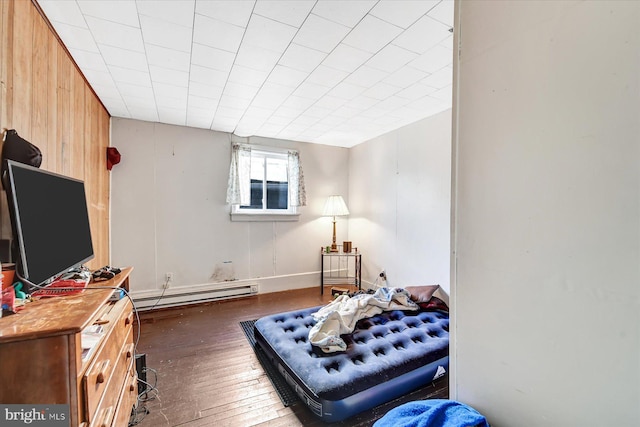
point(387, 356)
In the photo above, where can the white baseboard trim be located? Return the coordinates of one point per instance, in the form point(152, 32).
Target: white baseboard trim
point(194, 294)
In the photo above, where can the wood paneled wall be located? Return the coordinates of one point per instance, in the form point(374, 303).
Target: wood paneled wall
point(44, 97)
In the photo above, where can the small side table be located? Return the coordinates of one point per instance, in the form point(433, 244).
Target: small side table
point(340, 268)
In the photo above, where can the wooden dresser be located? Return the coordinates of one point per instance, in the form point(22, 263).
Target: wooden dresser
point(41, 358)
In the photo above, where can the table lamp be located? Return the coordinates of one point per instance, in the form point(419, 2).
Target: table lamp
point(335, 206)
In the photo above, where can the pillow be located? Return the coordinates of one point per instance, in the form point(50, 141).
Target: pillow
point(422, 293)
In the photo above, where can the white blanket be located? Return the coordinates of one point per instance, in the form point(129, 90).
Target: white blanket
point(340, 316)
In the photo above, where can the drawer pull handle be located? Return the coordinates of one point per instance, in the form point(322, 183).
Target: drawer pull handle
point(132, 385)
point(102, 371)
point(106, 417)
point(129, 319)
point(129, 350)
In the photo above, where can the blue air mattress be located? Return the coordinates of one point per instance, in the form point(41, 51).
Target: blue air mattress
point(387, 356)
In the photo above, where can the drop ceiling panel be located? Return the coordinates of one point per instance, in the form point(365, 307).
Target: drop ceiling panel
point(328, 71)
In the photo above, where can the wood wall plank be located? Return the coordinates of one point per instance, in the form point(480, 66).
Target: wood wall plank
point(45, 98)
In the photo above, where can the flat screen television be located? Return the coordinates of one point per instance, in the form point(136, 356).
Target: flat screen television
point(50, 222)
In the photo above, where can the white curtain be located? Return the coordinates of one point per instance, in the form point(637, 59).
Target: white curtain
point(297, 192)
point(239, 186)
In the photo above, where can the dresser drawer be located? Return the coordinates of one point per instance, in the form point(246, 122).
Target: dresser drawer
point(107, 409)
point(110, 363)
point(127, 399)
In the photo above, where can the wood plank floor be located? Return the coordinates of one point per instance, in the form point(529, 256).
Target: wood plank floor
point(208, 374)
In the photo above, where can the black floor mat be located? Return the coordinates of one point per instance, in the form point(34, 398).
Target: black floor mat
point(286, 393)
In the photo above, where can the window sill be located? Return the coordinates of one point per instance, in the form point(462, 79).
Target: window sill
point(244, 217)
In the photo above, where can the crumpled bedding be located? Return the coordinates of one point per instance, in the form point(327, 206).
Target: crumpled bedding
point(341, 315)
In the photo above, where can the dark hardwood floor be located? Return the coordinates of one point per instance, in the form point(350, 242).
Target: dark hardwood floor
point(208, 374)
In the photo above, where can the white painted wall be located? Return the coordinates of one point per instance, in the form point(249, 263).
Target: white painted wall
point(169, 212)
point(399, 200)
point(547, 212)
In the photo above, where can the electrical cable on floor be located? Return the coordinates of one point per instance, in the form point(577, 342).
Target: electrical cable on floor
point(140, 411)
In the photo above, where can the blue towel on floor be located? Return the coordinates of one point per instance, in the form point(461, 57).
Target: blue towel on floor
point(432, 413)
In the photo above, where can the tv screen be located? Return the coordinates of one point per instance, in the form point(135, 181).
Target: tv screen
point(50, 222)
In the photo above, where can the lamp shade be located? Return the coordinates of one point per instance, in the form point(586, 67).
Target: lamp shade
point(335, 206)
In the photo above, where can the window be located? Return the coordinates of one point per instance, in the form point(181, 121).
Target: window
point(265, 184)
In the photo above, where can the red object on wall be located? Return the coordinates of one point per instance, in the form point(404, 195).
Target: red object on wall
point(113, 157)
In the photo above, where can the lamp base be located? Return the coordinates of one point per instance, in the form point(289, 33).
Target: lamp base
point(334, 248)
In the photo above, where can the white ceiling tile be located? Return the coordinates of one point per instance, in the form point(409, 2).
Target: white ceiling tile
point(286, 76)
point(178, 12)
point(114, 34)
point(77, 38)
point(285, 11)
point(326, 76)
point(202, 103)
point(214, 65)
point(166, 75)
point(210, 57)
point(443, 94)
point(248, 76)
point(297, 102)
point(228, 112)
point(257, 58)
point(346, 91)
point(231, 11)
point(144, 114)
point(135, 90)
point(234, 102)
point(347, 13)
point(107, 90)
point(207, 76)
point(124, 75)
point(362, 102)
point(317, 111)
point(331, 102)
point(422, 35)
point(366, 76)
point(268, 34)
point(440, 79)
point(63, 12)
point(120, 11)
point(287, 112)
point(301, 58)
point(381, 91)
point(433, 59)
point(196, 121)
point(205, 90)
point(216, 33)
point(88, 61)
point(447, 43)
point(346, 58)
point(402, 13)
point(161, 33)
point(416, 91)
point(391, 58)
point(240, 91)
point(172, 116)
point(178, 95)
point(310, 90)
point(168, 58)
point(271, 95)
point(124, 58)
point(372, 34)
point(443, 12)
point(320, 34)
point(405, 77)
point(102, 78)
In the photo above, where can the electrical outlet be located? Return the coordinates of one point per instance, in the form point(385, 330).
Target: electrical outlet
point(383, 275)
point(168, 278)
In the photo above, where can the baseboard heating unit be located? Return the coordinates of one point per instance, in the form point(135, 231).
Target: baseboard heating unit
point(193, 295)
